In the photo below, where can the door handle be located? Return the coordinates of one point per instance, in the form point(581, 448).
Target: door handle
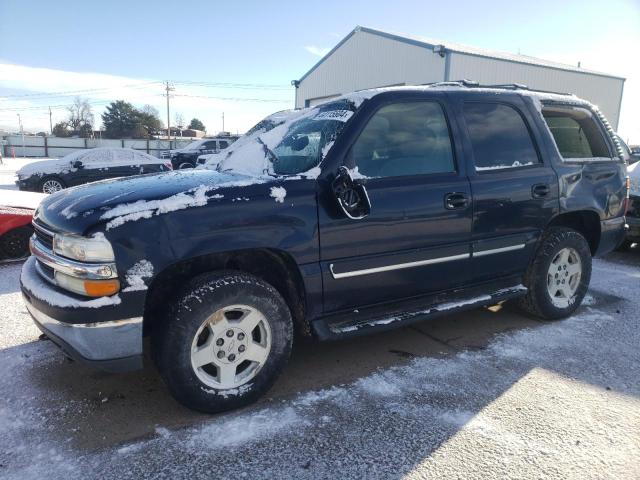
point(456, 200)
point(540, 190)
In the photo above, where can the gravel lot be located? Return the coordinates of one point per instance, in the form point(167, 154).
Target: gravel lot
point(488, 394)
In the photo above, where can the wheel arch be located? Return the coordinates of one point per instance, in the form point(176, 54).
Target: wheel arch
point(586, 222)
point(275, 267)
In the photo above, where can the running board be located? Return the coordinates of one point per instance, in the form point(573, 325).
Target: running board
point(353, 324)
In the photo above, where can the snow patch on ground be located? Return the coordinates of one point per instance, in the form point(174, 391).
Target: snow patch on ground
point(278, 193)
point(245, 428)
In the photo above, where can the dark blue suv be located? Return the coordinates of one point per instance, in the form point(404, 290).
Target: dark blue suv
point(366, 213)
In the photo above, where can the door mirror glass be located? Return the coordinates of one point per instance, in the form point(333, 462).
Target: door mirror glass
point(77, 164)
point(351, 195)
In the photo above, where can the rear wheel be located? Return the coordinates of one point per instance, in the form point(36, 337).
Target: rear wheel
point(51, 185)
point(558, 277)
point(15, 243)
point(225, 342)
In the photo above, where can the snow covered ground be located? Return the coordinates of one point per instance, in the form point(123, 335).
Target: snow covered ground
point(485, 394)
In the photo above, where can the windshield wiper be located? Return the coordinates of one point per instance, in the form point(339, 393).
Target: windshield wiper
point(269, 153)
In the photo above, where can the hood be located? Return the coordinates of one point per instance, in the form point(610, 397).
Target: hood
point(44, 167)
point(118, 201)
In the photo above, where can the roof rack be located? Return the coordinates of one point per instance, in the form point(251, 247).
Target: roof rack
point(504, 86)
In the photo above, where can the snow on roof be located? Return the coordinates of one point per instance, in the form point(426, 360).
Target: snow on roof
point(463, 49)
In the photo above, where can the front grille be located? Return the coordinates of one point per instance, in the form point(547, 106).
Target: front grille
point(46, 271)
point(43, 236)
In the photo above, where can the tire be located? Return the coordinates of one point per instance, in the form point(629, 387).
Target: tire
point(561, 255)
point(15, 243)
point(214, 314)
point(624, 246)
point(51, 185)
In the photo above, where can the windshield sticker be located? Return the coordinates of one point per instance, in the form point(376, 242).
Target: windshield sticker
point(339, 115)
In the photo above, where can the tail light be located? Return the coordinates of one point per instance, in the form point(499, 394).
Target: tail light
point(170, 167)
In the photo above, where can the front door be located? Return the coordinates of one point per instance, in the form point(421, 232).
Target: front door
point(416, 239)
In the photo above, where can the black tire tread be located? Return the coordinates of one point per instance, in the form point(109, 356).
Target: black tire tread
point(191, 296)
point(549, 242)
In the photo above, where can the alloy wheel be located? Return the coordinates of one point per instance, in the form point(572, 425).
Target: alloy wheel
point(231, 346)
point(563, 277)
point(51, 186)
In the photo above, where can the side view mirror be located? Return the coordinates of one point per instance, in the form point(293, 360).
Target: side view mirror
point(77, 164)
point(351, 196)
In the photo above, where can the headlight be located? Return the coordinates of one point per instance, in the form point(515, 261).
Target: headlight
point(83, 249)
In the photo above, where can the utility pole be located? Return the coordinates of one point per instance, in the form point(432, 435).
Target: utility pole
point(168, 89)
point(50, 122)
point(223, 121)
point(21, 133)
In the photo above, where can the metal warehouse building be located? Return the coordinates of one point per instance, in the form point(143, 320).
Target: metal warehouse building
point(368, 58)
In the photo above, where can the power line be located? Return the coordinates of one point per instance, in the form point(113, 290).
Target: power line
point(235, 99)
point(245, 86)
point(76, 92)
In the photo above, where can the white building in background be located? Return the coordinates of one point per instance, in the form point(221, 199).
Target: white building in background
point(368, 58)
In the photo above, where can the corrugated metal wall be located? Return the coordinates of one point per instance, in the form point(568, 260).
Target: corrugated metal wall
point(367, 61)
point(605, 92)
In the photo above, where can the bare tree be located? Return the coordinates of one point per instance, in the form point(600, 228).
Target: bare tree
point(179, 119)
point(80, 119)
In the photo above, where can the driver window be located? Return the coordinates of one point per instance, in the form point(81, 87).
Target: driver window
point(408, 138)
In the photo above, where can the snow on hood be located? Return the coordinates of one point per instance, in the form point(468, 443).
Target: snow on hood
point(634, 175)
point(196, 196)
point(17, 199)
point(44, 167)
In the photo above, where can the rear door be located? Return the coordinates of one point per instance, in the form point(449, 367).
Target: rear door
point(515, 192)
point(416, 239)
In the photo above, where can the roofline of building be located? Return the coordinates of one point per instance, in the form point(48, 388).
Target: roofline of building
point(424, 44)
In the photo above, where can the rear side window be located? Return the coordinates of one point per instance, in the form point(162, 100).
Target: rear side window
point(223, 144)
point(575, 132)
point(499, 137)
point(407, 138)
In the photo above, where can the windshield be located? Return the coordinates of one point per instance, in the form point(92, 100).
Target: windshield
point(289, 142)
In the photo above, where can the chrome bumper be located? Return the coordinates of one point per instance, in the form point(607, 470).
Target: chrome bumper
point(109, 342)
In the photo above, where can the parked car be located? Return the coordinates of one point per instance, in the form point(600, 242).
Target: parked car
point(366, 213)
point(16, 212)
point(84, 166)
point(187, 157)
point(633, 209)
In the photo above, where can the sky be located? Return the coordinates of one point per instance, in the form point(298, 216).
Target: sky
point(238, 58)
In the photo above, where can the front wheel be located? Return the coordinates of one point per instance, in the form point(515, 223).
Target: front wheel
point(224, 343)
point(559, 275)
point(51, 185)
